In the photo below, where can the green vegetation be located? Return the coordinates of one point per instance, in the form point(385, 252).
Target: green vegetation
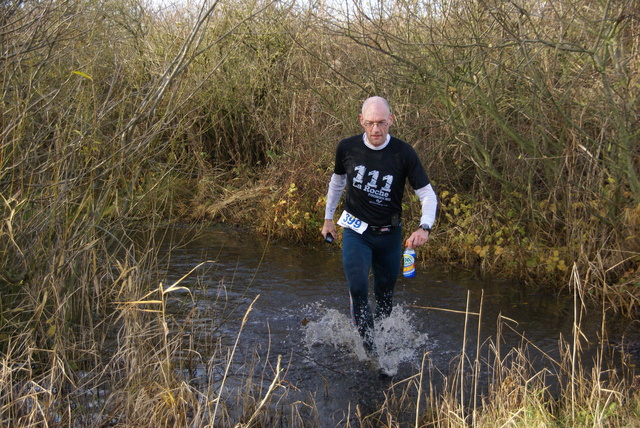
point(117, 118)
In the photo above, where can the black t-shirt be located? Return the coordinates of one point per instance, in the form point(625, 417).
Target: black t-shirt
point(376, 178)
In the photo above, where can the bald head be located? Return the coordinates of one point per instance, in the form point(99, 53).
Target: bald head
point(377, 102)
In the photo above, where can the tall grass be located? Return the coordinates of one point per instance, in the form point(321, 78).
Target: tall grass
point(117, 118)
point(487, 387)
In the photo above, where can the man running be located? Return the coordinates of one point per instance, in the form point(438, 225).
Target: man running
point(374, 167)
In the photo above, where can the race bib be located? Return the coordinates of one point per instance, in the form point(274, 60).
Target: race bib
point(351, 222)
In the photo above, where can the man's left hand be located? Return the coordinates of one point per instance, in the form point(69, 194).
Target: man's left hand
point(418, 238)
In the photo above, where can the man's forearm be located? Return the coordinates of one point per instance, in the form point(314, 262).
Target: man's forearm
point(336, 186)
point(429, 202)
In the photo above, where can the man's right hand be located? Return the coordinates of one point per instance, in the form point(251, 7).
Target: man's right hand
point(329, 227)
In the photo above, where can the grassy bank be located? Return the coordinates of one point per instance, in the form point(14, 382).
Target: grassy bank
point(118, 118)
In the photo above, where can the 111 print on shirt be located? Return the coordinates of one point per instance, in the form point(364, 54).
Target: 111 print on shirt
point(371, 188)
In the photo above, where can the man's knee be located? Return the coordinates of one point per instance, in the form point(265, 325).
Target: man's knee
point(359, 295)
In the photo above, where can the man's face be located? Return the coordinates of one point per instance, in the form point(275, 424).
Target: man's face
point(376, 121)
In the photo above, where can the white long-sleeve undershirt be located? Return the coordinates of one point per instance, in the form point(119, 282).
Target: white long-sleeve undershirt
point(429, 202)
point(336, 186)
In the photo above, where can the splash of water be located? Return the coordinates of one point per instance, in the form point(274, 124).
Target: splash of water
point(396, 339)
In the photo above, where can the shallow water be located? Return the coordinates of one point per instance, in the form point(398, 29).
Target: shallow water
point(301, 311)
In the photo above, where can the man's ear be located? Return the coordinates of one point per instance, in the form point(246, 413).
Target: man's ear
point(390, 119)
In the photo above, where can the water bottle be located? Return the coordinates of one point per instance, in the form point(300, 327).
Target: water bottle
point(409, 263)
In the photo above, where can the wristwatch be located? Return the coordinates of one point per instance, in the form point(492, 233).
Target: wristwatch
point(425, 227)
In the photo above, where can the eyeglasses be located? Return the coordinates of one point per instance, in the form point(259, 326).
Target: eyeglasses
point(381, 124)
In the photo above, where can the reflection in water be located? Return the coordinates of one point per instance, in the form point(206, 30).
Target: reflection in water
point(301, 312)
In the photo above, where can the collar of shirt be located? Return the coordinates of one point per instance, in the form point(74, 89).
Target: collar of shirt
point(371, 146)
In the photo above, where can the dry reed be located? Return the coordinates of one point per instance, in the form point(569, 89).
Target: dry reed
point(117, 119)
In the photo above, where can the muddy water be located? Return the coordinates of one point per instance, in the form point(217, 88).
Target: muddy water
point(301, 312)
